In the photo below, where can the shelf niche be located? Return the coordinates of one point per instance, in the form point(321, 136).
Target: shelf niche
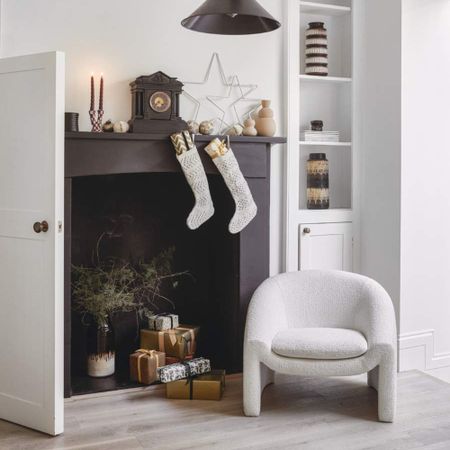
point(339, 41)
point(330, 103)
point(340, 163)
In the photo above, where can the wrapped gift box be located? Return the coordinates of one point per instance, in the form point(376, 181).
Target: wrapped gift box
point(161, 322)
point(187, 369)
point(209, 386)
point(179, 342)
point(173, 360)
point(144, 365)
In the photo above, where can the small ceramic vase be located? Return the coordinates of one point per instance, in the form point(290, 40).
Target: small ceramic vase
point(249, 128)
point(121, 127)
point(265, 125)
point(316, 125)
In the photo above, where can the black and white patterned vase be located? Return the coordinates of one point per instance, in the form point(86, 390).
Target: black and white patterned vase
point(316, 62)
point(318, 194)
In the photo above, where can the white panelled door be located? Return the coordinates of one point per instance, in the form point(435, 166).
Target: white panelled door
point(326, 246)
point(31, 260)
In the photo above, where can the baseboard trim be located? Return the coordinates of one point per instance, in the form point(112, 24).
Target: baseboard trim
point(422, 341)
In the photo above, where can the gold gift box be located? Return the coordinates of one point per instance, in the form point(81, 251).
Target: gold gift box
point(179, 342)
point(143, 365)
point(209, 386)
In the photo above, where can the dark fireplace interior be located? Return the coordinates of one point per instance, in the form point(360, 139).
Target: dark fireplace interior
point(143, 214)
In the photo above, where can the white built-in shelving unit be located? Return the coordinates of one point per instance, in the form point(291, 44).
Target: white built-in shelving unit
point(320, 238)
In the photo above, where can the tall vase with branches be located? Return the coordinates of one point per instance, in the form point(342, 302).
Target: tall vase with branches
point(111, 286)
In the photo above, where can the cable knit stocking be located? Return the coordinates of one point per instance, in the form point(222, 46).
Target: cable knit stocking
point(194, 172)
point(228, 166)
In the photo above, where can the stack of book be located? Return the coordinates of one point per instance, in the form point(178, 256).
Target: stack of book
point(320, 136)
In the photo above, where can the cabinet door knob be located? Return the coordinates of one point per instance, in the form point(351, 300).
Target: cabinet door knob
point(307, 230)
point(40, 226)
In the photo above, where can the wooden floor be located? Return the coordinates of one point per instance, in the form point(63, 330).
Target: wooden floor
point(305, 413)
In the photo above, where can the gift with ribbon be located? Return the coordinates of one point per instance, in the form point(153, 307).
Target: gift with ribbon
point(163, 321)
point(216, 148)
point(183, 370)
point(179, 342)
point(209, 386)
point(144, 364)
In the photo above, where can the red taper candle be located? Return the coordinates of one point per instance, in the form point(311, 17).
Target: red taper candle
point(100, 102)
point(92, 93)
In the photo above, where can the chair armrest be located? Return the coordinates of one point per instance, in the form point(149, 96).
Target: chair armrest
point(376, 315)
point(266, 314)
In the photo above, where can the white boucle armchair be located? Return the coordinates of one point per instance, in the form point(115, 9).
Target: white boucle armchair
point(321, 323)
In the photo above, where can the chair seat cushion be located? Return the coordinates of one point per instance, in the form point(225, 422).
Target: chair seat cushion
point(319, 343)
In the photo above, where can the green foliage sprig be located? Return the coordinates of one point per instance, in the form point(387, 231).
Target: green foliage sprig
point(114, 286)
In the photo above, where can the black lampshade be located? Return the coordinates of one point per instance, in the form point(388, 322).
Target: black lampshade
point(231, 17)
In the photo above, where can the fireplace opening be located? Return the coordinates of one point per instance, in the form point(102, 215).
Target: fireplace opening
point(141, 215)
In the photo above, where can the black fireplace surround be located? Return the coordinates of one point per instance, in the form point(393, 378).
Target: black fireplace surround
point(132, 185)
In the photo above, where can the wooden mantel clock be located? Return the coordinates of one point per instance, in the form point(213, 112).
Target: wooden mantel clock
point(156, 104)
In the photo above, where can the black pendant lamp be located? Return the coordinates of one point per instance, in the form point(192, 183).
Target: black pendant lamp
point(231, 17)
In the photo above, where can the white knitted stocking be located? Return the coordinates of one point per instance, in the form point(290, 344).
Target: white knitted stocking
point(246, 208)
point(194, 172)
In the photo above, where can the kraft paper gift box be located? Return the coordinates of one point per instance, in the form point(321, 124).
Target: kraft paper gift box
point(186, 369)
point(209, 386)
point(144, 365)
point(179, 342)
point(161, 322)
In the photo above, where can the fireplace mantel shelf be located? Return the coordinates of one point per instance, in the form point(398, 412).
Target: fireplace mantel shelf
point(163, 137)
point(89, 154)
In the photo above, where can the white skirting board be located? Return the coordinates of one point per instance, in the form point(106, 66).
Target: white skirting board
point(416, 351)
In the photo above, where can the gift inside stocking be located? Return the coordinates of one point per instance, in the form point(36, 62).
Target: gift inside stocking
point(194, 172)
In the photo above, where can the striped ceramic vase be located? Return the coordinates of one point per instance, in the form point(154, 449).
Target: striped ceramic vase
point(316, 49)
point(318, 194)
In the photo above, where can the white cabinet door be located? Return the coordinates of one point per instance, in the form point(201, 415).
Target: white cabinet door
point(31, 261)
point(326, 246)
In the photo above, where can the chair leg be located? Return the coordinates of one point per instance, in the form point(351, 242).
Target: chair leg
point(387, 389)
point(256, 377)
point(372, 378)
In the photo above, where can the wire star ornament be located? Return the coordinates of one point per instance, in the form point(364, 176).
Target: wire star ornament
point(223, 78)
point(244, 90)
point(230, 83)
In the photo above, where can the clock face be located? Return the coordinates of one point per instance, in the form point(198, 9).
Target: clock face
point(160, 101)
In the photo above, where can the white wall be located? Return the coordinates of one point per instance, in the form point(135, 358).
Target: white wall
point(425, 274)
point(127, 39)
point(378, 135)
point(403, 59)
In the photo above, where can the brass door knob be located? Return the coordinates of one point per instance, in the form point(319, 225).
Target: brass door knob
point(306, 230)
point(40, 226)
